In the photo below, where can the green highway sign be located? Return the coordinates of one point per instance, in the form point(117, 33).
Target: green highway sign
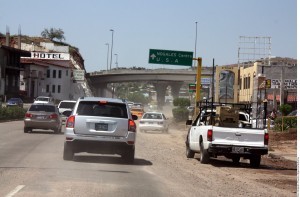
point(180, 58)
point(192, 87)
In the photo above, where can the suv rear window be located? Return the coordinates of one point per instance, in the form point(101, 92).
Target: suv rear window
point(46, 108)
point(68, 105)
point(95, 108)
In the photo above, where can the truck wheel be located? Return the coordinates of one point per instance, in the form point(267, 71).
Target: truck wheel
point(188, 152)
point(128, 156)
point(204, 157)
point(255, 161)
point(68, 152)
point(236, 160)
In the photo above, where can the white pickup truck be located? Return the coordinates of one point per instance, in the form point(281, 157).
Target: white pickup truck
point(212, 141)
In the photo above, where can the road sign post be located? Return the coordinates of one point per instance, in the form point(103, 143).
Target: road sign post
point(180, 58)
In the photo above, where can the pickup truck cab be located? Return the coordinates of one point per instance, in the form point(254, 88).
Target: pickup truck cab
point(209, 140)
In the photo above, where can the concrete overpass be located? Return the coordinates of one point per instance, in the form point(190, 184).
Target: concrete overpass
point(159, 78)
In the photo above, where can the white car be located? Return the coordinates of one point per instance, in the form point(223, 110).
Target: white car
point(66, 105)
point(43, 99)
point(153, 121)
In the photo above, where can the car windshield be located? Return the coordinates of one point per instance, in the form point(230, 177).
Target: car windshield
point(45, 108)
point(107, 109)
point(68, 105)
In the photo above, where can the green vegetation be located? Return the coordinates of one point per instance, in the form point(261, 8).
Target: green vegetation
point(288, 122)
point(180, 113)
point(53, 33)
point(11, 113)
point(285, 109)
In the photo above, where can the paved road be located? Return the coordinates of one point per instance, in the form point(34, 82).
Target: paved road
point(32, 165)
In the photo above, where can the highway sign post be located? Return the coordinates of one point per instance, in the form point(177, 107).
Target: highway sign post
point(180, 58)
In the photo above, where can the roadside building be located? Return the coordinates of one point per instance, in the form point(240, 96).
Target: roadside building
point(256, 83)
point(10, 68)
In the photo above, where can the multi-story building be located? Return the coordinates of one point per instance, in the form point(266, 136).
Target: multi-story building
point(257, 83)
point(10, 68)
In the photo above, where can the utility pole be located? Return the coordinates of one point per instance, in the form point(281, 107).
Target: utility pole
point(282, 86)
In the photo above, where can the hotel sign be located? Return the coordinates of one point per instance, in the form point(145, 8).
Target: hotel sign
point(50, 56)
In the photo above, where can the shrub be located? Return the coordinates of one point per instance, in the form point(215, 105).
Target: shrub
point(288, 122)
point(285, 109)
point(12, 113)
point(181, 102)
point(180, 114)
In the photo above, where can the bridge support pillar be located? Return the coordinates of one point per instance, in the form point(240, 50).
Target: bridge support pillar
point(160, 89)
point(102, 90)
point(175, 88)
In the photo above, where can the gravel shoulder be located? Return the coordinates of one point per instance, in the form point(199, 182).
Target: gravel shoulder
point(188, 177)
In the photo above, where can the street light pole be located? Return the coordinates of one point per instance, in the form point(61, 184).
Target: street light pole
point(107, 56)
point(116, 60)
point(112, 43)
point(195, 43)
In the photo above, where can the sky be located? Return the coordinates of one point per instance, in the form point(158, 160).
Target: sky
point(140, 25)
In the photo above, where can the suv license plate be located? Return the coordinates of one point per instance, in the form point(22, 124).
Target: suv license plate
point(101, 127)
point(237, 149)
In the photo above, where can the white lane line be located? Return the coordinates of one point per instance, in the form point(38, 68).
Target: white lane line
point(15, 191)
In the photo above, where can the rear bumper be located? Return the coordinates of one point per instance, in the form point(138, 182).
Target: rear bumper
point(100, 144)
point(152, 127)
point(41, 124)
point(236, 150)
point(101, 147)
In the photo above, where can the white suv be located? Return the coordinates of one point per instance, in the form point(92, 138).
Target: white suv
point(100, 125)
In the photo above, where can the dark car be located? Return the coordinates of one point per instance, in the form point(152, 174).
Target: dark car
point(14, 102)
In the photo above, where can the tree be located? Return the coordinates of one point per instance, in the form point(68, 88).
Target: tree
point(53, 33)
point(285, 109)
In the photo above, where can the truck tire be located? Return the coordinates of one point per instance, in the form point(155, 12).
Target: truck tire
point(255, 161)
point(204, 157)
point(68, 152)
point(188, 152)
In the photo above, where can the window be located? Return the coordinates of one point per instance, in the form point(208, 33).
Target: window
point(67, 72)
point(53, 88)
point(58, 89)
point(48, 73)
point(54, 74)
point(47, 88)
point(59, 74)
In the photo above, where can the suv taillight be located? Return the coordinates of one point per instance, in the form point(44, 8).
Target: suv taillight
point(70, 122)
point(266, 139)
point(209, 135)
point(131, 126)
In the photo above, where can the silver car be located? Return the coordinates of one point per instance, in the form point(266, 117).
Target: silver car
point(153, 121)
point(100, 125)
point(42, 116)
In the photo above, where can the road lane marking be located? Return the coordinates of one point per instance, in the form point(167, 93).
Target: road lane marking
point(15, 191)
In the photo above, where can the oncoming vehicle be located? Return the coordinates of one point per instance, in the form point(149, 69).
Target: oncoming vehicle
point(42, 116)
point(14, 102)
point(43, 99)
point(153, 121)
point(100, 125)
